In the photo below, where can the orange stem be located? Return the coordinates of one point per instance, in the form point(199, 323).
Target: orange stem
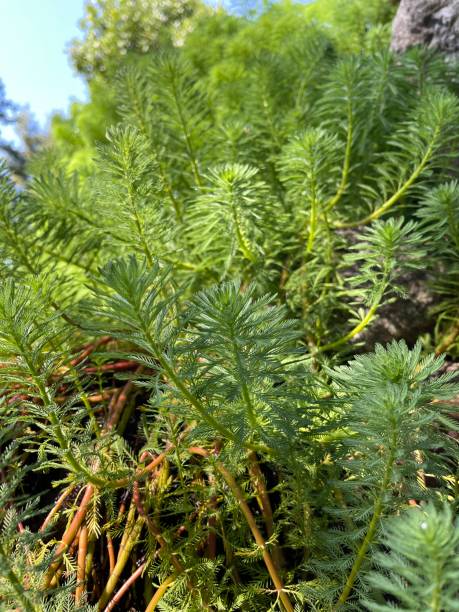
point(152, 528)
point(57, 506)
point(70, 534)
point(270, 566)
point(81, 564)
point(117, 405)
point(111, 552)
point(140, 474)
point(112, 367)
point(264, 503)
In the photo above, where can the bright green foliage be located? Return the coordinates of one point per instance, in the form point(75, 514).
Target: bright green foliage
point(439, 215)
point(265, 184)
point(184, 392)
point(354, 23)
point(227, 369)
point(129, 180)
point(235, 355)
point(439, 211)
point(387, 397)
point(421, 570)
point(226, 222)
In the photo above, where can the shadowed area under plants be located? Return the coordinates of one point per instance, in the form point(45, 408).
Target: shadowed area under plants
point(198, 409)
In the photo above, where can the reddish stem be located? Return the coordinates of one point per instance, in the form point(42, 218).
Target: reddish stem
point(239, 495)
point(70, 552)
point(117, 404)
point(126, 586)
point(89, 349)
point(264, 502)
point(153, 529)
point(112, 367)
point(111, 552)
point(140, 474)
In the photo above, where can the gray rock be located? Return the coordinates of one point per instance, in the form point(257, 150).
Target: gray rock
point(432, 23)
point(406, 317)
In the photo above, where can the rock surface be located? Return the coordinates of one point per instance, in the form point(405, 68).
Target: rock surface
point(432, 23)
point(407, 317)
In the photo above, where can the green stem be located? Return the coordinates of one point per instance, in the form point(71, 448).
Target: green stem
point(347, 162)
point(372, 527)
point(160, 592)
point(138, 222)
point(244, 387)
point(184, 265)
point(354, 331)
point(90, 556)
point(188, 144)
point(312, 224)
point(123, 558)
point(244, 244)
point(270, 566)
point(313, 215)
point(138, 112)
point(436, 593)
point(194, 401)
point(400, 192)
point(208, 418)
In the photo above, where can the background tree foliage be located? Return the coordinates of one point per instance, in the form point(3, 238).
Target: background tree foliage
point(220, 46)
point(8, 116)
point(29, 136)
point(114, 28)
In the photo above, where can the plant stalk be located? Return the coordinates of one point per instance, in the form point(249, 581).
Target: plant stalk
point(125, 588)
point(372, 527)
point(160, 592)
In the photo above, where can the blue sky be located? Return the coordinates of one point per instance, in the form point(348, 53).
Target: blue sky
point(33, 64)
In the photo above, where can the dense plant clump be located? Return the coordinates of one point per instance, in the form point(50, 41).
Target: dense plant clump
point(190, 417)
